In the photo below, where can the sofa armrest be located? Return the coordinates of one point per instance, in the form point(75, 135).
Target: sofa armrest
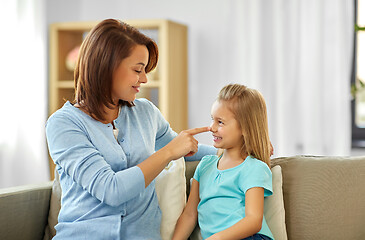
point(24, 211)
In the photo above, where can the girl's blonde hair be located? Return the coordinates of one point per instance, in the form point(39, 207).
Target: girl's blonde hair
point(249, 108)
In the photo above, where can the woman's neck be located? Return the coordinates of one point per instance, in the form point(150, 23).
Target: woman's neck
point(110, 114)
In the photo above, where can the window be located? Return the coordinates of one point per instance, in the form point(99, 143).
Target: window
point(358, 77)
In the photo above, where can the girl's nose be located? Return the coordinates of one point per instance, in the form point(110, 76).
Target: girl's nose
point(213, 127)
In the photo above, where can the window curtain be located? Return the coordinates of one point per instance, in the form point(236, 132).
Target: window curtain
point(298, 53)
point(23, 94)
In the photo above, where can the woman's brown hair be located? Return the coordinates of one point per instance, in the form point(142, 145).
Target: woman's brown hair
point(103, 49)
point(249, 108)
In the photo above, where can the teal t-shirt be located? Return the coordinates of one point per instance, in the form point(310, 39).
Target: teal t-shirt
point(222, 192)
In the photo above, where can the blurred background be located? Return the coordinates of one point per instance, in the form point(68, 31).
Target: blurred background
point(303, 55)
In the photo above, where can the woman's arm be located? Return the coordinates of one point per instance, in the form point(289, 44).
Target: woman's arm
point(75, 154)
point(251, 223)
point(187, 221)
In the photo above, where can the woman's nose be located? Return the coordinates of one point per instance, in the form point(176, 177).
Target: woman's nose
point(143, 78)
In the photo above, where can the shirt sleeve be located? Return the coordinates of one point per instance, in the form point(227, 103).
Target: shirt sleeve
point(259, 175)
point(72, 150)
point(199, 169)
point(164, 133)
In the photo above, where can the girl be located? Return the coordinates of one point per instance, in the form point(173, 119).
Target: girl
point(227, 193)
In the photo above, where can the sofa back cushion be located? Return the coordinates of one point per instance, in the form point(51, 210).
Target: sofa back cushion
point(54, 208)
point(323, 197)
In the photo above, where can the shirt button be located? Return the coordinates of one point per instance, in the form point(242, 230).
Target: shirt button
point(122, 140)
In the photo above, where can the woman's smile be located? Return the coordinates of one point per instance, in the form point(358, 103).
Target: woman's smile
point(136, 88)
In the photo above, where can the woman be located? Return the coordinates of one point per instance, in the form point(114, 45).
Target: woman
point(108, 146)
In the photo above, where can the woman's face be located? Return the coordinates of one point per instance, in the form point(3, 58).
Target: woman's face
point(129, 75)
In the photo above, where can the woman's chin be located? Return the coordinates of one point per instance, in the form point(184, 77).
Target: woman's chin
point(130, 99)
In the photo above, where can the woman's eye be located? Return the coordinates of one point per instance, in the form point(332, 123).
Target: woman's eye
point(220, 122)
point(137, 71)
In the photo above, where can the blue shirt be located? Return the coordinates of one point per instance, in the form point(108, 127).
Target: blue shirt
point(222, 192)
point(103, 191)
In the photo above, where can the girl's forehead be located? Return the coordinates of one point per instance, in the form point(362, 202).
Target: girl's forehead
point(221, 109)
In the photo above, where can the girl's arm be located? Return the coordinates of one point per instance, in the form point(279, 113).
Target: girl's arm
point(187, 221)
point(249, 225)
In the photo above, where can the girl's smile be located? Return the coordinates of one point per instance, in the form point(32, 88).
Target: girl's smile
point(216, 138)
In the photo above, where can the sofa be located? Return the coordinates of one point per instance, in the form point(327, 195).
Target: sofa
point(323, 198)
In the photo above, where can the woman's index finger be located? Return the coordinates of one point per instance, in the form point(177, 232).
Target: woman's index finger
point(194, 131)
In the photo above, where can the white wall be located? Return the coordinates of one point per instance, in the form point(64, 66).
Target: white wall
point(208, 36)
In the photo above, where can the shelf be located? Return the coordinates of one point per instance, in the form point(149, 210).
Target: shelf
point(66, 84)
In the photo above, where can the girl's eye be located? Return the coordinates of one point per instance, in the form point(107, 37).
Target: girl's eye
point(137, 71)
point(220, 122)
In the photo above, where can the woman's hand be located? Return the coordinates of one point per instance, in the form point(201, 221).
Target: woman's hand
point(185, 144)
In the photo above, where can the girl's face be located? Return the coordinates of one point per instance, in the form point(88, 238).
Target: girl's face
point(226, 131)
point(129, 75)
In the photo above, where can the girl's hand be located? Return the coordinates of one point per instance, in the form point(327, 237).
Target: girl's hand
point(185, 144)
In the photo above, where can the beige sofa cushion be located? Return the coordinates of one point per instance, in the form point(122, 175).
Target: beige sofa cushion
point(323, 197)
point(171, 194)
point(274, 207)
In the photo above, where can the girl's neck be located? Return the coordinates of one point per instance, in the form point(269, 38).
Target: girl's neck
point(234, 154)
point(231, 158)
